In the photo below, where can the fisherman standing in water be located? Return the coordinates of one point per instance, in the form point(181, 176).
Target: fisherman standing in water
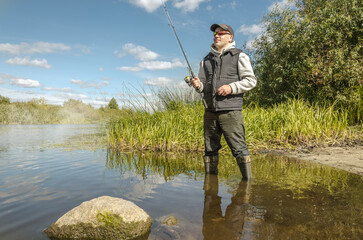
point(224, 75)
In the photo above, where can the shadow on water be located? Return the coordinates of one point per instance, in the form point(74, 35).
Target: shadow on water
point(287, 199)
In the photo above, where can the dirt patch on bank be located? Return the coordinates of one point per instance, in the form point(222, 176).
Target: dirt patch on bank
point(348, 158)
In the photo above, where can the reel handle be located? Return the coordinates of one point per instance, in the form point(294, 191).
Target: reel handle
point(188, 80)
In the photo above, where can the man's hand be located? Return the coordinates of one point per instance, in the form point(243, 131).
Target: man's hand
point(196, 83)
point(224, 90)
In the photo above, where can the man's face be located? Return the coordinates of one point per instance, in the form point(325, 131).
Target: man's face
point(222, 40)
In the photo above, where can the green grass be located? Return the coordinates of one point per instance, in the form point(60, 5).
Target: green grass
point(178, 126)
point(297, 122)
point(179, 129)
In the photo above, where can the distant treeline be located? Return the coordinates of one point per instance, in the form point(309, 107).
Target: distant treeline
point(37, 111)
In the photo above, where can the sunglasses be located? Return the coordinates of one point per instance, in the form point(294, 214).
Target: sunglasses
point(221, 33)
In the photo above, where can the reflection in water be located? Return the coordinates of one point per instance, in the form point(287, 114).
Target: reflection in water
point(287, 199)
point(235, 223)
point(151, 163)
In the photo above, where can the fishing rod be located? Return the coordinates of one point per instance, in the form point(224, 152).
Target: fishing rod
point(188, 78)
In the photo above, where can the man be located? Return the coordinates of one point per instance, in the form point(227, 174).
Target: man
point(224, 75)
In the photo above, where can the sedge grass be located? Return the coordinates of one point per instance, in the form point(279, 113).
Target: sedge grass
point(297, 122)
point(180, 129)
point(178, 126)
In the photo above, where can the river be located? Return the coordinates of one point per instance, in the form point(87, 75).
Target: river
point(42, 177)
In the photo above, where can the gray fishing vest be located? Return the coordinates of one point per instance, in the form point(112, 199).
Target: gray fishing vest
point(219, 71)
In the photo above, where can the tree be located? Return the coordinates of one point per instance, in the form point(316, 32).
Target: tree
point(4, 100)
point(312, 51)
point(112, 104)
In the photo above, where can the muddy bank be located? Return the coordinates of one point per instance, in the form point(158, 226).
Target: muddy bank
point(348, 158)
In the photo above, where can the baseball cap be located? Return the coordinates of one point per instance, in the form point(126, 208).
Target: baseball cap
point(223, 26)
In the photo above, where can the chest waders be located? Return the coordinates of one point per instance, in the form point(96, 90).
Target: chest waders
point(223, 113)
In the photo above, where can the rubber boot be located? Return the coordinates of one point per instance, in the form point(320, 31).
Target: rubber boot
point(211, 164)
point(244, 164)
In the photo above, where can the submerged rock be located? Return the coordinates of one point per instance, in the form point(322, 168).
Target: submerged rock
point(167, 228)
point(170, 220)
point(102, 218)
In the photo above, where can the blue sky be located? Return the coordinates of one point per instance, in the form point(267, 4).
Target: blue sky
point(93, 50)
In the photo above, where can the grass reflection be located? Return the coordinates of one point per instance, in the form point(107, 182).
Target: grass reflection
point(283, 172)
point(164, 165)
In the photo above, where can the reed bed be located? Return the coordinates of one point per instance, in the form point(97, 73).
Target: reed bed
point(295, 123)
point(177, 129)
point(178, 126)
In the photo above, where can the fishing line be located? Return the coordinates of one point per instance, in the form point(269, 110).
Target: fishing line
point(176, 35)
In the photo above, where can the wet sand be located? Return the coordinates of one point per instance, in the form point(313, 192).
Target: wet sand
point(348, 158)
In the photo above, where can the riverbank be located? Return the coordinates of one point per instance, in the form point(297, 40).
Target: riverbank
point(348, 158)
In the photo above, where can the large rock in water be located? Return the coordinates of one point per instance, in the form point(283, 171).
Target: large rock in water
point(102, 218)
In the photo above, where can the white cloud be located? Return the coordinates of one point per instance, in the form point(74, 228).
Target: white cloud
point(161, 65)
point(280, 5)
point(77, 81)
point(100, 69)
point(188, 5)
point(148, 5)
point(84, 84)
point(254, 32)
point(25, 83)
point(229, 5)
point(138, 52)
point(31, 48)
point(152, 5)
point(97, 103)
point(27, 61)
point(51, 89)
point(160, 81)
point(254, 29)
point(147, 58)
point(129, 69)
point(19, 81)
point(153, 65)
point(71, 95)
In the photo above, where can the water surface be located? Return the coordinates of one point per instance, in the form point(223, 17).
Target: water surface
point(40, 180)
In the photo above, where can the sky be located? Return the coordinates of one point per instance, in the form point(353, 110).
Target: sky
point(93, 50)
